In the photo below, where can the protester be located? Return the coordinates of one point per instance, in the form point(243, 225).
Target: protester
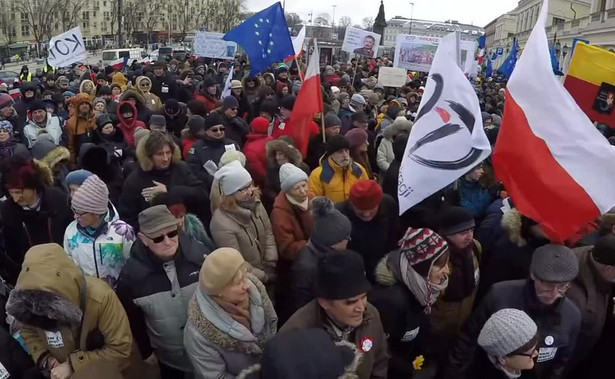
point(317, 147)
point(8, 144)
point(386, 154)
point(472, 196)
point(128, 122)
point(41, 122)
point(155, 287)
point(9, 113)
point(279, 151)
point(230, 317)
point(144, 86)
point(342, 310)
point(215, 195)
point(236, 128)
point(80, 126)
point(358, 146)
point(255, 150)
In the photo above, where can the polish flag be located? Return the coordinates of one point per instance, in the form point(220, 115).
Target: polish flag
point(554, 163)
point(119, 64)
point(297, 45)
point(308, 103)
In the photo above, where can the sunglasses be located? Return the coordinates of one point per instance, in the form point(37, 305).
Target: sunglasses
point(233, 109)
point(159, 239)
point(217, 130)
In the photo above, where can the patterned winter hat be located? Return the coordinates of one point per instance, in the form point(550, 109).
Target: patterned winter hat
point(422, 247)
point(91, 197)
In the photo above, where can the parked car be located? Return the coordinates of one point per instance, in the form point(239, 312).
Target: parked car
point(8, 76)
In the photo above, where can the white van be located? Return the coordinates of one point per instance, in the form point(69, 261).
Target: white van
point(111, 56)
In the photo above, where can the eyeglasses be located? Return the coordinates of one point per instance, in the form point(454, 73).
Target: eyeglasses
point(217, 130)
point(159, 239)
point(529, 355)
point(560, 287)
point(78, 214)
point(246, 188)
point(233, 109)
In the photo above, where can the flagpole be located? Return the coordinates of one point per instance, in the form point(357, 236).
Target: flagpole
point(354, 74)
point(299, 69)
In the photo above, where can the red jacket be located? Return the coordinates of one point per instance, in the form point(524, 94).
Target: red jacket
point(129, 128)
point(289, 130)
point(256, 157)
point(210, 102)
point(187, 144)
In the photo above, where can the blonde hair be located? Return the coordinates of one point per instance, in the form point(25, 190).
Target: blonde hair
point(229, 202)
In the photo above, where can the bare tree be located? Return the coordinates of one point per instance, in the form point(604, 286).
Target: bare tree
point(130, 22)
point(323, 19)
point(70, 14)
point(229, 16)
point(368, 23)
point(293, 20)
point(344, 22)
point(149, 16)
point(40, 16)
point(6, 26)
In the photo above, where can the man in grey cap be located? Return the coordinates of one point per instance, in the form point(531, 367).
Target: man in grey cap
point(356, 105)
point(543, 298)
point(155, 286)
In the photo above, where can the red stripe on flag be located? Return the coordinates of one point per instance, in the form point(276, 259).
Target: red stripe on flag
point(584, 93)
point(539, 186)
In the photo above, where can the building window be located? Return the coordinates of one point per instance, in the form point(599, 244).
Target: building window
point(13, 32)
point(558, 21)
point(86, 15)
point(25, 30)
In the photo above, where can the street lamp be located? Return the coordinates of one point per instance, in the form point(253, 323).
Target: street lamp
point(411, 16)
point(558, 49)
point(565, 50)
point(333, 22)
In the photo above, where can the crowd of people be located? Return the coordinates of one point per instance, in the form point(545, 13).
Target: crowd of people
point(151, 227)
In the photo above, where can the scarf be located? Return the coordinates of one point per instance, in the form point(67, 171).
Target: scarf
point(239, 312)
point(303, 205)
point(425, 292)
point(250, 204)
point(509, 374)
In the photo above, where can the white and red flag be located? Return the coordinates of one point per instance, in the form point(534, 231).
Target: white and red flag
point(554, 163)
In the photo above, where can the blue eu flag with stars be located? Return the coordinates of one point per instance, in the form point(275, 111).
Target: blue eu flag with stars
point(264, 37)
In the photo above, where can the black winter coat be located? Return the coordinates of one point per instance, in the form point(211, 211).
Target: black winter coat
point(560, 321)
point(204, 150)
point(13, 358)
point(164, 87)
point(23, 229)
point(375, 238)
point(303, 274)
point(236, 129)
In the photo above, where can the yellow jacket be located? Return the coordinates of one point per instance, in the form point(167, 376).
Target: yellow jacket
point(333, 181)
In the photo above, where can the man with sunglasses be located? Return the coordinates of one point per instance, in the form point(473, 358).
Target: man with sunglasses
point(543, 298)
point(155, 287)
point(237, 128)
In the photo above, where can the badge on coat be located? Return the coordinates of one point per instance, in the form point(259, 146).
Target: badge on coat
point(4, 373)
point(549, 340)
point(366, 344)
point(410, 335)
point(54, 339)
point(230, 147)
point(546, 354)
point(165, 89)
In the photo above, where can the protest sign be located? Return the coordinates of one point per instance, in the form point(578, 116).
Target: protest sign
point(416, 53)
point(392, 77)
point(67, 48)
point(361, 42)
point(211, 45)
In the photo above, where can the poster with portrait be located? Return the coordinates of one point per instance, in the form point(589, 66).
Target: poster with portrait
point(416, 53)
point(361, 42)
point(605, 98)
point(211, 45)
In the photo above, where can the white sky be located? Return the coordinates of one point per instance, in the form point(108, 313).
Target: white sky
point(477, 12)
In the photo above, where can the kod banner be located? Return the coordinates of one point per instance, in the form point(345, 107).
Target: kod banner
point(211, 45)
point(67, 48)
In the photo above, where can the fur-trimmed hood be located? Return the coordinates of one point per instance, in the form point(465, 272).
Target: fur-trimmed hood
point(92, 93)
point(47, 292)
point(145, 161)
point(290, 151)
point(512, 222)
point(46, 152)
point(149, 84)
point(401, 124)
point(133, 93)
point(44, 170)
point(387, 272)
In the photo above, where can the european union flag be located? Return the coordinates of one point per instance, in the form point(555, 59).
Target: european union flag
point(489, 70)
point(508, 66)
point(264, 37)
point(482, 41)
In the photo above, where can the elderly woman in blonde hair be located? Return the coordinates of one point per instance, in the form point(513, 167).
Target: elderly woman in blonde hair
point(241, 221)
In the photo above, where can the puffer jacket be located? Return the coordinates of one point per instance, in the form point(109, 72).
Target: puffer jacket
point(561, 322)
point(51, 281)
point(332, 181)
point(104, 252)
point(156, 295)
point(80, 129)
point(220, 347)
point(473, 197)
point(250, 233)
point(256, 156)
point(52, 127)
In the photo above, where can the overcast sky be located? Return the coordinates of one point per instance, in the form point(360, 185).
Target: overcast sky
point(477, 12)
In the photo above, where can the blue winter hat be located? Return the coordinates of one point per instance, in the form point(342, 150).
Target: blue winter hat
point(77, 177)
point(6, 125)
point(68, 94)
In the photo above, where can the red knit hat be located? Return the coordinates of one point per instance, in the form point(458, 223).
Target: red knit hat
point(365, 194)
point(260, 125)
point(356, 137)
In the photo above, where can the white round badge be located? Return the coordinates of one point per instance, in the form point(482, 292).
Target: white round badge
point(549, 340)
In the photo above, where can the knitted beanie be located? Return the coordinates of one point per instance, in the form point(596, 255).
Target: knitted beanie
point(157, 119)
point(554, 263)
point(230, 102)
point(365, 194)
point(230, 156)
point(357, 100)
point(604, 250)
point(290, 175)
point(232, 177)
point(6, 125)
point(6, 100)
point(219, 269)
point(331, 120)
point(422, 247)
point(356, 137)
point(91, 197)
point(259, 125)
point(77, 177)
point(214, 119)
point(330, 225)
point(506, 331)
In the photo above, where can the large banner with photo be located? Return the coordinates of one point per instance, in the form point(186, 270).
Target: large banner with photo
point(361, 42)
point(416, 53)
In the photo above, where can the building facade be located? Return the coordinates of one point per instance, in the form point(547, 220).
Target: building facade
point(401, 25)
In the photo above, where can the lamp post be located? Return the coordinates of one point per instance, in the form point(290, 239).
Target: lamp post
point(333, 22)
point(411, 16)
point(565, 51)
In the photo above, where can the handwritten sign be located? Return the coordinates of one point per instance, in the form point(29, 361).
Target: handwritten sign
point(67, 48)
point(211, 45)
point(392, 77)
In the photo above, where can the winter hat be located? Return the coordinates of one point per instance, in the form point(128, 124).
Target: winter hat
point(365, 194)
point(554, 263)
point(232, 177)
point(6, 100)
point(329, 70)
point(91, 197)
point(219, 269)
point(331, 120)
point(37, 105)
point(355, 101)
point(230, 102)
point(455, 220)
point(68, 94)
point(337, 143)
point(356, 137)
point(507, 331)
point(104, 90)
point(269, 106)
point(99, 100)
point(156, 218)
point(422, 247)
point(341, 275)
point(19, 173)
point(230, 156)
point(259, 125)
point(77, 177)
point(393, 111)
point(288, 102)
point(335, 90)
point(330, 225)
point(290, 175)
point(196, 124)
point(141, 133)
point(604, 250)
point(103, 120)
point(172, 106)
point(236, 84)
point(212, 120)
point(5, 125)
point(157, 119)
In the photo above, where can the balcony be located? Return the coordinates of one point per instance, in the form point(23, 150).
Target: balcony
point(598, 16)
